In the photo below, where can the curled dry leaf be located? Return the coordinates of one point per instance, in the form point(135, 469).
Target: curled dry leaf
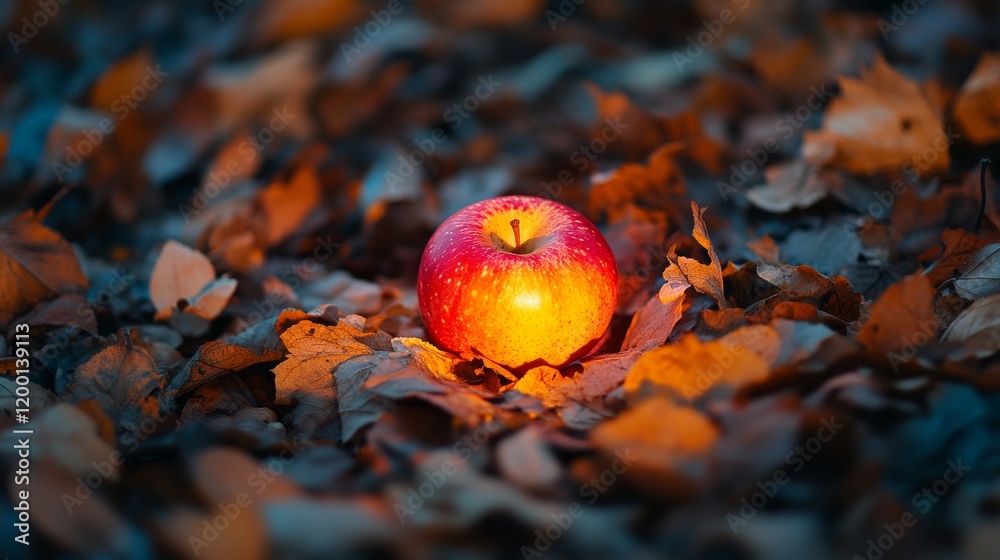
point(184, 280)
point(831, 295)
point(683, 272)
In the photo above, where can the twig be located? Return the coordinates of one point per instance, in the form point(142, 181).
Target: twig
point(983, 166)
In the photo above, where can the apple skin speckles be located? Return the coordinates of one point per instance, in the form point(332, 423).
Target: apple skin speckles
point(544, 305)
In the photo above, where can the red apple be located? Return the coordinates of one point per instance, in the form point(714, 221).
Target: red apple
point(523, 281)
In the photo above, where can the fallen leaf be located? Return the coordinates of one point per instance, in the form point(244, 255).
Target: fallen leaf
point(286, 204)
point(975, 111)
point(683, 272)
point(794, 184)
point(183, 280)
point(315, 352)
point(667, 445)
point(983, 314)
point(981, 275)
point(124, 380)
point(36, 264)
point(690, 368)
point(526, 460)
point(652, 324)
point(880, 122)
point(258, 344)
point(958, 247)
point(902, 318)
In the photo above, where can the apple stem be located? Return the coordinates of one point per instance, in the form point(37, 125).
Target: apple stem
point(515, 225)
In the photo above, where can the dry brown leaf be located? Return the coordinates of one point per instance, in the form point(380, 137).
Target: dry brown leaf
point(683, 272)
point(183, 279)
point(959, 245)
point(976, 110)
point(258, 344)
point(981, 275)
point(119, 80)
point(691, 368)
point(592, 378)
point(789, 185)
point(652, 186)
point(903, 317)
point(123, 379)
point(72, 310)
point(831, 295)
point(36, 264)
point(526, 460)
point(666, 444)
point(880, 122)
point(282, 21)
point(429, 358)
point(315, 352)
point(652, 324)
point(286, 204)
point(983, 314)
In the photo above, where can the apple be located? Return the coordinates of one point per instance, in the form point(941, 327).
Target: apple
point(521, 280)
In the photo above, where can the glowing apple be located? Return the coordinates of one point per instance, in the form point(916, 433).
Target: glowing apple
point(523, 281)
